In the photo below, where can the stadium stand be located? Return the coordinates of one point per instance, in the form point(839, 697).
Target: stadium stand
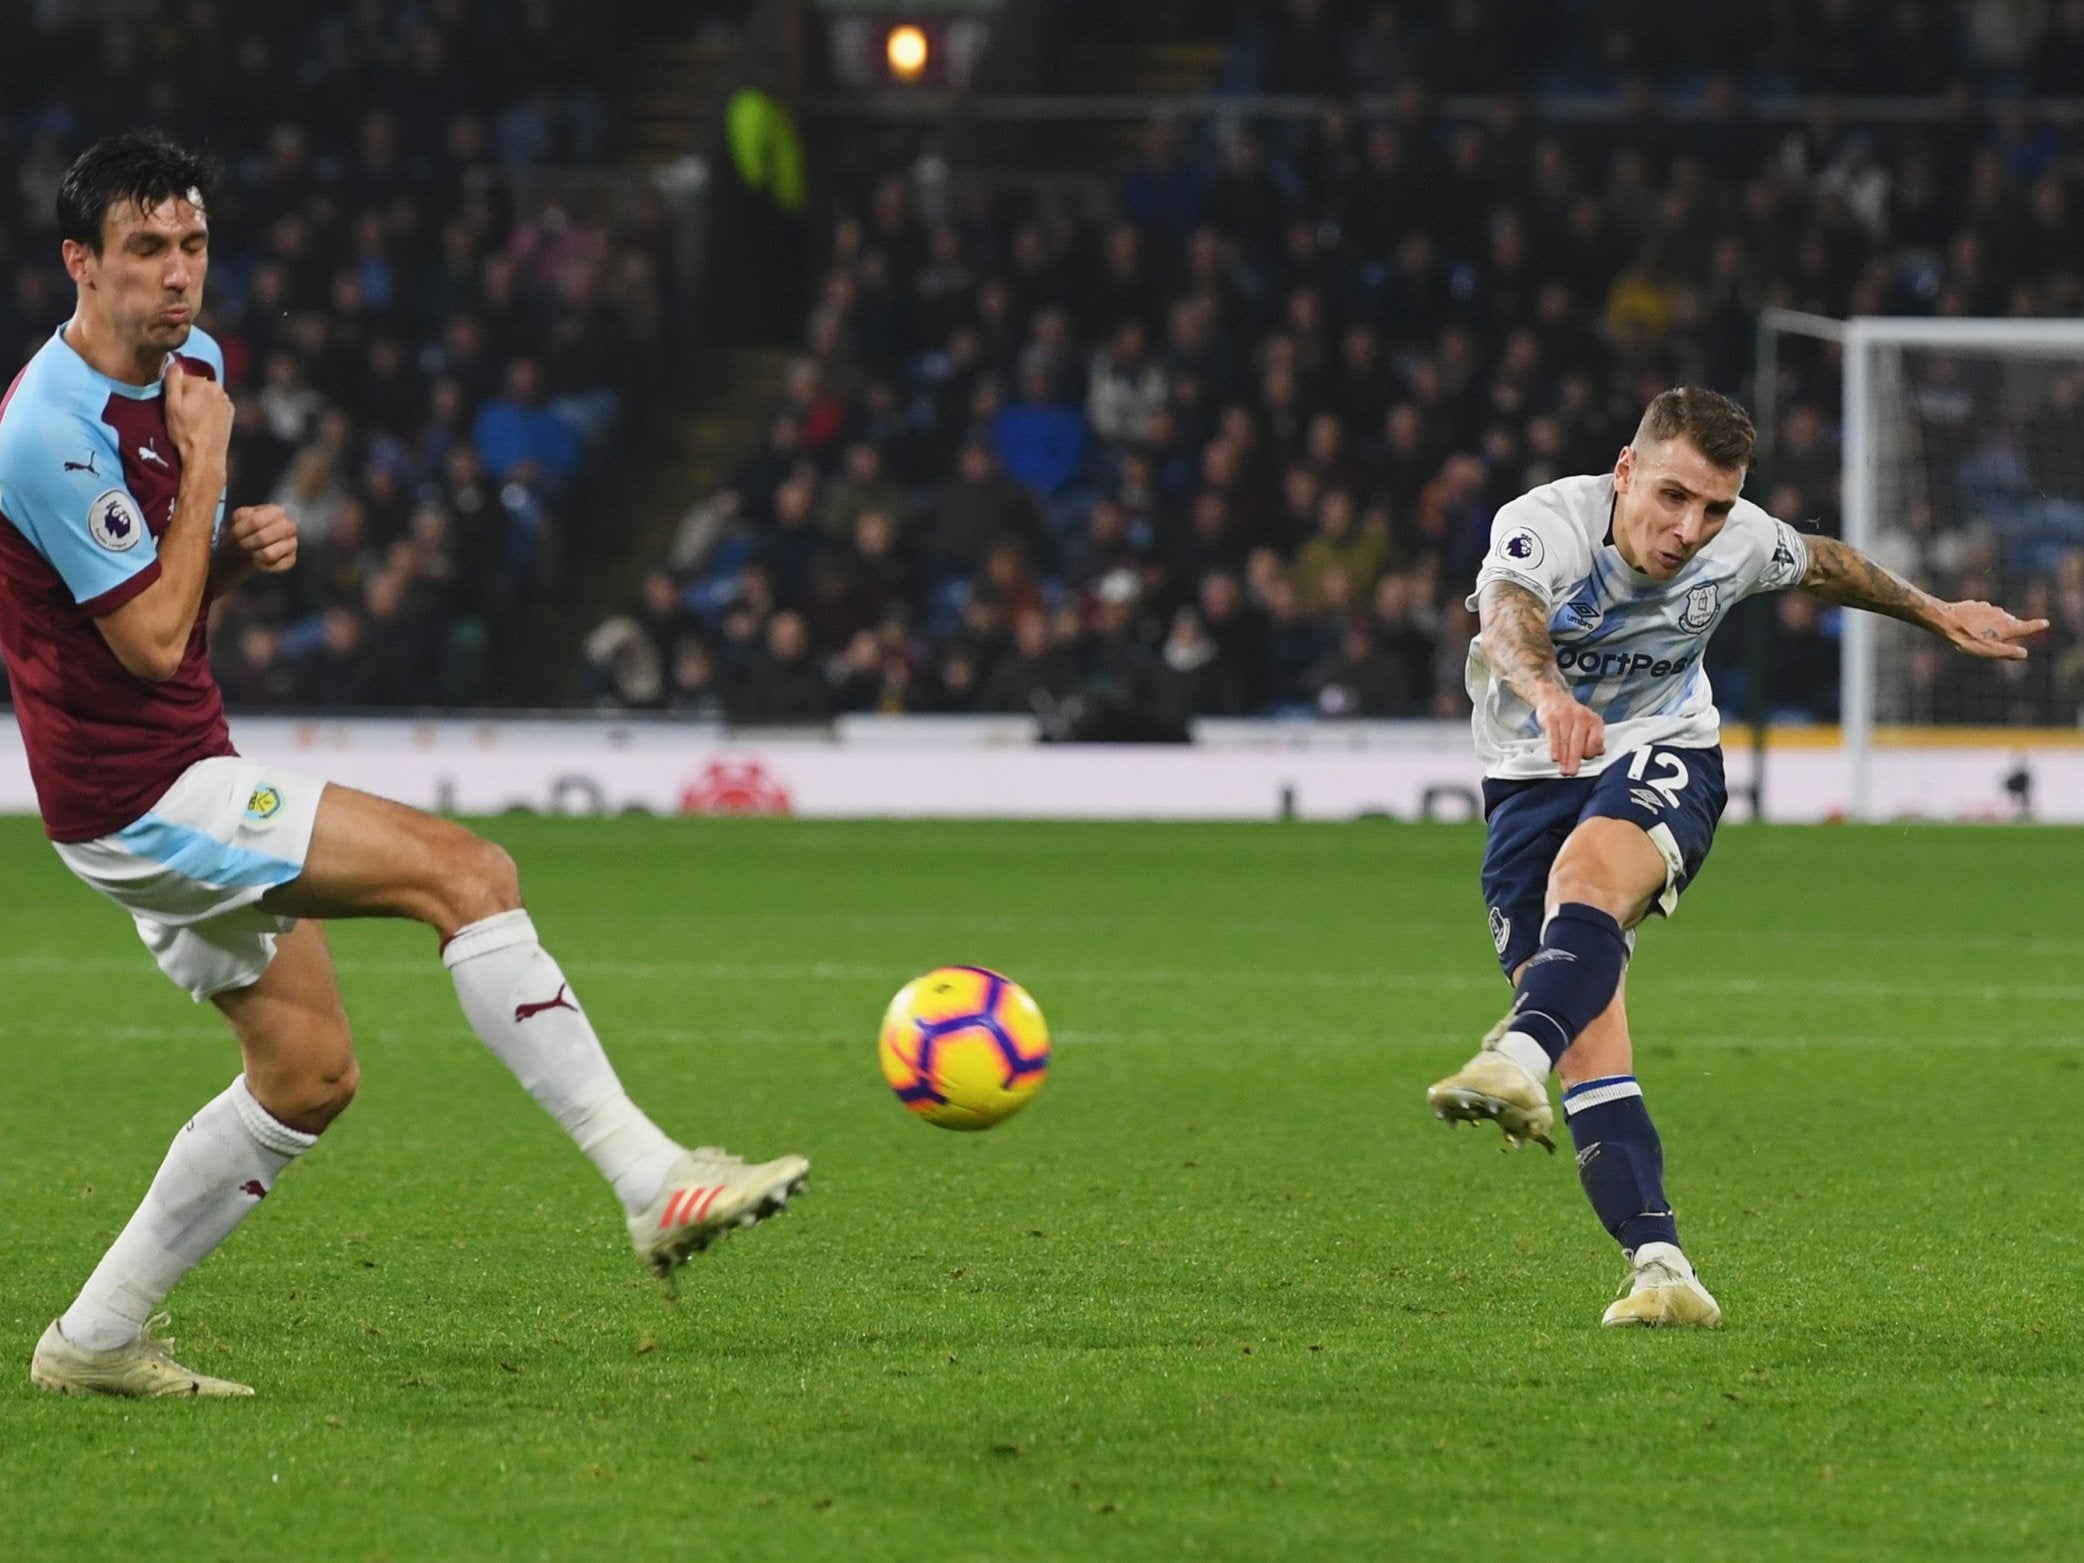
point(424, 366)
point(1231, 444)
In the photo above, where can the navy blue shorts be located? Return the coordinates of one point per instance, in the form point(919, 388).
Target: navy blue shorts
point(1676, 795)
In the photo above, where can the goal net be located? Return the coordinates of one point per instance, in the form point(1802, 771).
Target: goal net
point(1963, 468)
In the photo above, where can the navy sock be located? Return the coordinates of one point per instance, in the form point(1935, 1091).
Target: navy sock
point(1620, 1160)
point(1571, 979)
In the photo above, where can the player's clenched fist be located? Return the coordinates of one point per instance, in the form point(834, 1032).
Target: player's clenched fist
point(1575, 732)
point(267, 536)
point(198, 416)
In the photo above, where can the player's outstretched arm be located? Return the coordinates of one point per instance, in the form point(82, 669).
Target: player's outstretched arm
point(1516, 643)
point(1842, 574)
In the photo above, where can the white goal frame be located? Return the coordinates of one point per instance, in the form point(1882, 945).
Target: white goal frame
point(1862, 336)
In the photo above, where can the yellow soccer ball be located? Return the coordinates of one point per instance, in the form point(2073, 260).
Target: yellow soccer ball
point(964, 1047)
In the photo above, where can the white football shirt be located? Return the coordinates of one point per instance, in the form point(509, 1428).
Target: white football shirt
point(1628, 645)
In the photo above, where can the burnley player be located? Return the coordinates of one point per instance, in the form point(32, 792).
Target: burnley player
point(1603, 778)
point(113, 541)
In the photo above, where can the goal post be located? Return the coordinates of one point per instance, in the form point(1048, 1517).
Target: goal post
point(1963, 466)
point(1796, 359)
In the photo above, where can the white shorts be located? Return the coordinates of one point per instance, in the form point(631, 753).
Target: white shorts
point(188, 872)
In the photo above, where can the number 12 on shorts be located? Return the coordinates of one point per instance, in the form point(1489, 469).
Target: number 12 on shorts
point(1667, 785)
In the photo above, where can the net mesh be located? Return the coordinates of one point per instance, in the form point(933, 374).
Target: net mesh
point(1978, 471)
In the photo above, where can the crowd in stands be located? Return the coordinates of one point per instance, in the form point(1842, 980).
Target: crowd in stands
point(422, 365)
point(1231, 443)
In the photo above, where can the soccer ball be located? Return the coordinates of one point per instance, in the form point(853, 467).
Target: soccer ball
point(964, 1047)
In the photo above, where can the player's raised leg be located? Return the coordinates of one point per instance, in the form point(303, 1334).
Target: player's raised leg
point(1620, 1166)
point(1603, 880)
point(300, 1075)
point(373, 858)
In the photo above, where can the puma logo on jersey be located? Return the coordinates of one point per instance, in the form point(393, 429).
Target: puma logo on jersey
point(145, 452)
point(83, 466)
point(563, 1000)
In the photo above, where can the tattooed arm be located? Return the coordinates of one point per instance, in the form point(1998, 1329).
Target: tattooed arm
point(1516, 644)
point(1842, 574)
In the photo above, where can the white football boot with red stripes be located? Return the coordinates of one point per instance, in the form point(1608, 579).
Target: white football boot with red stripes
point(708, 1193)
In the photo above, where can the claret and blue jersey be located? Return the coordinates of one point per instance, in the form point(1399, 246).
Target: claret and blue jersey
point(1629, 645)
point(88, 480)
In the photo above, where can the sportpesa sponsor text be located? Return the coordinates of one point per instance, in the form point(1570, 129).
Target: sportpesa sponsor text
point(1594, 663)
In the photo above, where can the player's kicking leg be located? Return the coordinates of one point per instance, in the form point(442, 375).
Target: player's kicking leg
point(369, 857)
point(300, 1075)
point(1620, 858)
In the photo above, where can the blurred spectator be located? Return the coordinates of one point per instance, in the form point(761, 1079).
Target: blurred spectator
point(1803, 683)
point(1038, 673)
point(977, 506)
point(1361, 679)
point(1339, 546)
point(863, 486)
point(783, 684)
point(1126, 387)
point(255, 672)
point(1040, 440)
point(518, 437)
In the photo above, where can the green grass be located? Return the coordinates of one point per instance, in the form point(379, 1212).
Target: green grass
point(1225, 1290)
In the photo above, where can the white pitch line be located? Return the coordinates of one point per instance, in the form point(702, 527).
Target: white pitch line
point(1652, 1044)
point(1655, 983)
point(1652, 1047)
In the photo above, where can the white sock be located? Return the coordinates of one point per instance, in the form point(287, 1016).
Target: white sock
point(220, 1166)
point(522, 1008)
point(1529, 1054)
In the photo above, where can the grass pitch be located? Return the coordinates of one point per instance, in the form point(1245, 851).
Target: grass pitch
point(1224, 1290)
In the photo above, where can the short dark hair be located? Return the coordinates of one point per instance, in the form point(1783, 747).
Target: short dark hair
point(1718, 427)
point(141, 168)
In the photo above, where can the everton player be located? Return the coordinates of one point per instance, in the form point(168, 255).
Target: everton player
point(113, 541)
point(1600, 746)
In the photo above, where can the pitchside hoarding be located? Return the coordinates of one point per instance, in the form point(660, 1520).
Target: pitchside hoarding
point(993, 768)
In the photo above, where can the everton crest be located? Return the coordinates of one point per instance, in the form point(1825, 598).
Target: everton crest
point(1699, 613)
